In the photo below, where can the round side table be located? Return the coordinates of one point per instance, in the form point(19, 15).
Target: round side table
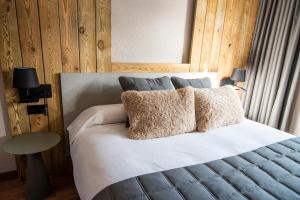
point(32, 144)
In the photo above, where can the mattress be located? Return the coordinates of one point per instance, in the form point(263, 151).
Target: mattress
point(102, 155)
point(271, 172)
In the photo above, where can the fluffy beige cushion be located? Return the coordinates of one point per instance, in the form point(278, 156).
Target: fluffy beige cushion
point(217, 107)
point(161, 113)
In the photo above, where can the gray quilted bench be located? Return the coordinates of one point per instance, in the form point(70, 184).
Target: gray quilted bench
point(271, 172)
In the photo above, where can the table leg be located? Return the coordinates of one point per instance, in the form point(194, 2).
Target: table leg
point(37, 181)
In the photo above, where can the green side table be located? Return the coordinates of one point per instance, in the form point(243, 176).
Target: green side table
point(32, 144)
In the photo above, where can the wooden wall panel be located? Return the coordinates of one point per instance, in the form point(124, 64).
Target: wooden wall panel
point(149, 67)
point(236, 40)
point(87, 35)
point(217, 35)
point(227, 46)
point(50, 34)
point(240, 34)
point(197, 38)
point(103, 33)
point(253, 9)
point(208, 35)
point(69, 35)
point(222, 35)
point(11, 57)
point(29, 27)
point(30, 40)
point(57, 36)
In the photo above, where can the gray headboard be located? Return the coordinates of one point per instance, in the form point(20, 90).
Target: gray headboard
point(80, 91)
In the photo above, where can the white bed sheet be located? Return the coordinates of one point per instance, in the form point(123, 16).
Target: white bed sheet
point(103, 155)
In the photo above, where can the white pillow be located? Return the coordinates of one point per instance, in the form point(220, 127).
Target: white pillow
point(97, 115)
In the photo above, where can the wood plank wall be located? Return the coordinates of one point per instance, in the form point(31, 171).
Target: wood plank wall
point(57, 36)
point(222, 35)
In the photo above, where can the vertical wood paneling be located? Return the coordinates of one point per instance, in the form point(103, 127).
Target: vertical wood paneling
point(149, 67)
point(50, 32)
point(225, 42)
point(237, 35)
point(217, 37)
point(29, 28)
point(69, 35)
point(30, 40)
point(10, 56)
point(87, 35)
point(208, 35)
point(57, 36)
point(226, 50)
point(103, 34)
point(197, 38)
point(253, 7)
point(241, 35)
point(240, 18)
point(234, 39)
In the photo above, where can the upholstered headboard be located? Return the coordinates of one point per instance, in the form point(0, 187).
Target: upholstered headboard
point(80, 91)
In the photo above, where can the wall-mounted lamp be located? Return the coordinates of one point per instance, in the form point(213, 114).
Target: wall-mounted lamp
point(238, 75)
point(26, 81)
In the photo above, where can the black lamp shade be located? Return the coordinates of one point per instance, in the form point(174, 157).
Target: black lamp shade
point(238, 75)
point(25, 77)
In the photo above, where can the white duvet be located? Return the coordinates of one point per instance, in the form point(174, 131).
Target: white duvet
point(103, 155)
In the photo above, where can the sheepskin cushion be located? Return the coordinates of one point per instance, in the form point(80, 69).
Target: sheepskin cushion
point(144, 84)
point(217, 107)
point(161, 113)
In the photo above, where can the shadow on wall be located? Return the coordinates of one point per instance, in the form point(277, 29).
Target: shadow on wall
point(7, 161)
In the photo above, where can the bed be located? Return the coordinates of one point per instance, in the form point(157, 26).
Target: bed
point(108, 165)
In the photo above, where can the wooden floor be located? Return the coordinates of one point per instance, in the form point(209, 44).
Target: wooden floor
point(64, 189)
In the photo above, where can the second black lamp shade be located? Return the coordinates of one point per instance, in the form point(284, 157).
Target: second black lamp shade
point(238, 75)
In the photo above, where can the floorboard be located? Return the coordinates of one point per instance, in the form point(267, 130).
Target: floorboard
point(63, 188)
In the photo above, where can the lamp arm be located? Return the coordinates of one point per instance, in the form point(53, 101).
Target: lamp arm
point(240, 87)
point(45, 103)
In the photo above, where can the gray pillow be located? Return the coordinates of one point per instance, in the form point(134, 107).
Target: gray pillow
point(144, 84)
point(196, 83)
